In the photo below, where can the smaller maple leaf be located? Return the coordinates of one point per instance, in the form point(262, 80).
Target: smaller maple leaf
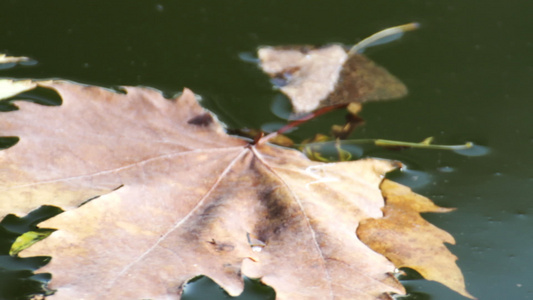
point(317, 77)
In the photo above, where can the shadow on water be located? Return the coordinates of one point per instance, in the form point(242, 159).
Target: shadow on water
point(17, 280)
point(201, 287)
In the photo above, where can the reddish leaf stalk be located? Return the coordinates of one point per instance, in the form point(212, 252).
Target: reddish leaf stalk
point(298, 122)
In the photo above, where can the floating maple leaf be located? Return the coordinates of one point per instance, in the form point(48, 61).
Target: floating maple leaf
point(167, 195)
point(317, 77)
point(4, 59)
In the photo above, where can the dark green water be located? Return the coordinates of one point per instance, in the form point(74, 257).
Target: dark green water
point(469, 69)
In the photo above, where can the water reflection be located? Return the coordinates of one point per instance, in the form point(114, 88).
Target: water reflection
point(29, 62)
point(249, 57)
point(475, 150)
point(202, 287)
point(281, 107)
point(412, 178)
point(272, 126)
point(446, 169)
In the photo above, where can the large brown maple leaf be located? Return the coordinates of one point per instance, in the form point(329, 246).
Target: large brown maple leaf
point(166, 195)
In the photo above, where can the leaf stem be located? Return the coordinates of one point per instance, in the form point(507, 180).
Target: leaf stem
point(389, 143)
point(426, 144)
point(299, 121)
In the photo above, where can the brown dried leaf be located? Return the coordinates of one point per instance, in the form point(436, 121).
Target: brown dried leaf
point(85, 147)
point(408, 240)
point(314, 78)
point(173, 197)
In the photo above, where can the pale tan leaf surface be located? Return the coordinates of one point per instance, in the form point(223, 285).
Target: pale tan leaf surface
point(311, 74)
point(83, 148)
point(408, 240)
point(318, 77)
point(4, 59)
point(179, 198)
point(10, 88)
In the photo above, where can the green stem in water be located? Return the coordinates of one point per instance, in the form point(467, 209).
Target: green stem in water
point(315, 151)
point(425, 144)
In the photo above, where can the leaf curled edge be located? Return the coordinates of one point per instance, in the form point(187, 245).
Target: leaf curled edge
point(404, 237)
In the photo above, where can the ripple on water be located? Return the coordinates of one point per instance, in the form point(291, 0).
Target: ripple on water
point(475, 150)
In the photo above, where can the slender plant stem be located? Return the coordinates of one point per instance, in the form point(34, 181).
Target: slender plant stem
point(300, 121)
point(391, 143)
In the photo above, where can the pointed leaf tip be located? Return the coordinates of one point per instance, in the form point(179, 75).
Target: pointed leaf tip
point(408, 240)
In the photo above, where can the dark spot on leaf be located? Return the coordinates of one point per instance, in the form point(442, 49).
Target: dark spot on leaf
point(225, 247)
point(279, 229)
point(201, 120)
point(284, 77)
point(278, 212)
point(221, 247)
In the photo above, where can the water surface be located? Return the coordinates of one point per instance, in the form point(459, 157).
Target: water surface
point(469, 70)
